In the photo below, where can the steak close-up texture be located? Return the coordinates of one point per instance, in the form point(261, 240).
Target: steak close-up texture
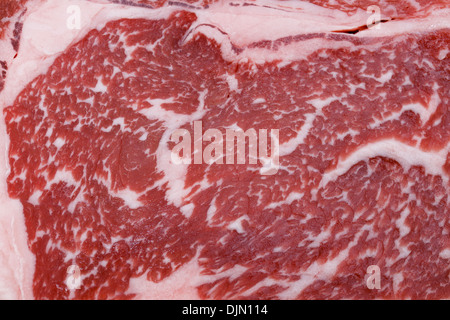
point(122, 177)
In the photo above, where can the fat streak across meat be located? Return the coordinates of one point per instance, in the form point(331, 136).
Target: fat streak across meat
point(86, 177)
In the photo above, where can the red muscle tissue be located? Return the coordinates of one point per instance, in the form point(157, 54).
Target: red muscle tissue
point(93, 204)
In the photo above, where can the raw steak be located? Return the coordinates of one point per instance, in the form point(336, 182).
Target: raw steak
point(90, 193)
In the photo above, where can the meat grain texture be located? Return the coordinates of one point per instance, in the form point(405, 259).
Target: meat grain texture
point(87, 179)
